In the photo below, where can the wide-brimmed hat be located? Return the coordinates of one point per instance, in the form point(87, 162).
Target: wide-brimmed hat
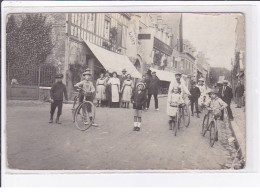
point(59, 76)
point(178, 73)
point(225, 82)
point(201, 79)
point(140, 83)
point(88, 69)
point(220, 82)
point(124, 70)
point(215, 91)
point(87, 73)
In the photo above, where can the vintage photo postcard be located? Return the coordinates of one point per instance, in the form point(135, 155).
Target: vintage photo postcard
point(125, 91)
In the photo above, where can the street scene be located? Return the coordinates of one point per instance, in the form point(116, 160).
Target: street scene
point(125, 91)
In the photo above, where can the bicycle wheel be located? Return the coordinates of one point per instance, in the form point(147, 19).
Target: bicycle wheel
point(205, 124)
point(212, 130)
point(85, 115)
point(74, 106)
point(186, 115)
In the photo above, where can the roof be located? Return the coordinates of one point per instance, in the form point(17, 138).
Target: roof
point(113, 61)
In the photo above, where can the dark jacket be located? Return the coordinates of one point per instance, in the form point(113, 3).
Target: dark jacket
point(138, 99)
point(239, 92)
point(227, 95)
point(57, 91)
point(122, 78)
point(153, 86)
point(195, 93)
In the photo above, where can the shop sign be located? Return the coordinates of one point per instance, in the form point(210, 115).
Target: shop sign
point(161, 46)
point(144, 36)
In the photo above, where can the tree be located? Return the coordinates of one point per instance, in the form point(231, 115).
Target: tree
point(215, 72)
point(28, 45)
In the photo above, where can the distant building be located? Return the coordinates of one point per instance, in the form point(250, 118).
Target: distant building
point(202, 66)
point(239, 62)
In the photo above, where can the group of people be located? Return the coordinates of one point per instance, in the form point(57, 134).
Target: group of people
point(114, 91)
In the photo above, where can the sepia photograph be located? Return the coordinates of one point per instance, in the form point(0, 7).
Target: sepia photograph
point(125, 91)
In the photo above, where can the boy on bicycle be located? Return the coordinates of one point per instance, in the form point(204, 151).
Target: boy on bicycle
point(88, 90)
point(216, 105)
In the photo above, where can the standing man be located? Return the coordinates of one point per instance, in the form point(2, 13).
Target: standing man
point(195, 94)
point(239, 93)
point(153, 90)
point(227, 95)
point(122, 78)
point(180, 83)
point(56, 93)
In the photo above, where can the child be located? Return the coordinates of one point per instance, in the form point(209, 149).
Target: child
point(88, 91)
point(174, 100)
point(216, 104)
point(56, 94)
point(138, 99)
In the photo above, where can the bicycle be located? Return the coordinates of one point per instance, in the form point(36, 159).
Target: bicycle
point(210, 124)
point(84, 114)
point(185, 114)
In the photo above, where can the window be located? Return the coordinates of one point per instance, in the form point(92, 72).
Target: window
point(107, 27)
point(91, 22)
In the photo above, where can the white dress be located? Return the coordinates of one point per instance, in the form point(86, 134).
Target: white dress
point(115, 85)
point(101, 87)
point(127, 90)
point(174, 99)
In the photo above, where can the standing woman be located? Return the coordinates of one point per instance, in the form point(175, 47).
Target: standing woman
point(108, 90)
point(126, 91)
point(115, 88)
point(101, 87)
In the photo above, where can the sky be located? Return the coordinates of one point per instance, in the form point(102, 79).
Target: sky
point(214, 35)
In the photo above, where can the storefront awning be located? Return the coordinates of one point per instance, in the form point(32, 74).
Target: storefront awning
point(112, 61)
point(165, 75)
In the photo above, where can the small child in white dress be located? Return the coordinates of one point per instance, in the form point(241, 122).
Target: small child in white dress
point(174, 100)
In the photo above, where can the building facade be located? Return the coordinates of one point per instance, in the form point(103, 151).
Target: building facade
point(239, 62)
point(74, 33)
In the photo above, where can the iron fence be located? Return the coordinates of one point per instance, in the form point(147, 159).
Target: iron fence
point(33, 75)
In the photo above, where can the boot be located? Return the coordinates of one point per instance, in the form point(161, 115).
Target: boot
point(58, 120)
point(198, 116)
point(216, 138)
point(170, 125)
point(51, 120)
point(192, 114)
point(128, 105)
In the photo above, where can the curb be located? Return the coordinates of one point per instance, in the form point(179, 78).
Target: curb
point(241, 154)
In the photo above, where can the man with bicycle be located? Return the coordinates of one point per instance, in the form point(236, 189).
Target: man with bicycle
point(180, 83)
point(88, 91)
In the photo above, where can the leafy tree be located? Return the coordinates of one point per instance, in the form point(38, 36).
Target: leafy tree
point(28, 45)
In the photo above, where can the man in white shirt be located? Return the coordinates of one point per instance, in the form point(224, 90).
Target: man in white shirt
point(179, 82)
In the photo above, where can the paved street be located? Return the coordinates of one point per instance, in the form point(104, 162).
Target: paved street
point(34, 144)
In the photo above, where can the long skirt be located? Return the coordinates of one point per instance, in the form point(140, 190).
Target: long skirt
point(127, 92)
point(101, 94)
point(115, 93)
